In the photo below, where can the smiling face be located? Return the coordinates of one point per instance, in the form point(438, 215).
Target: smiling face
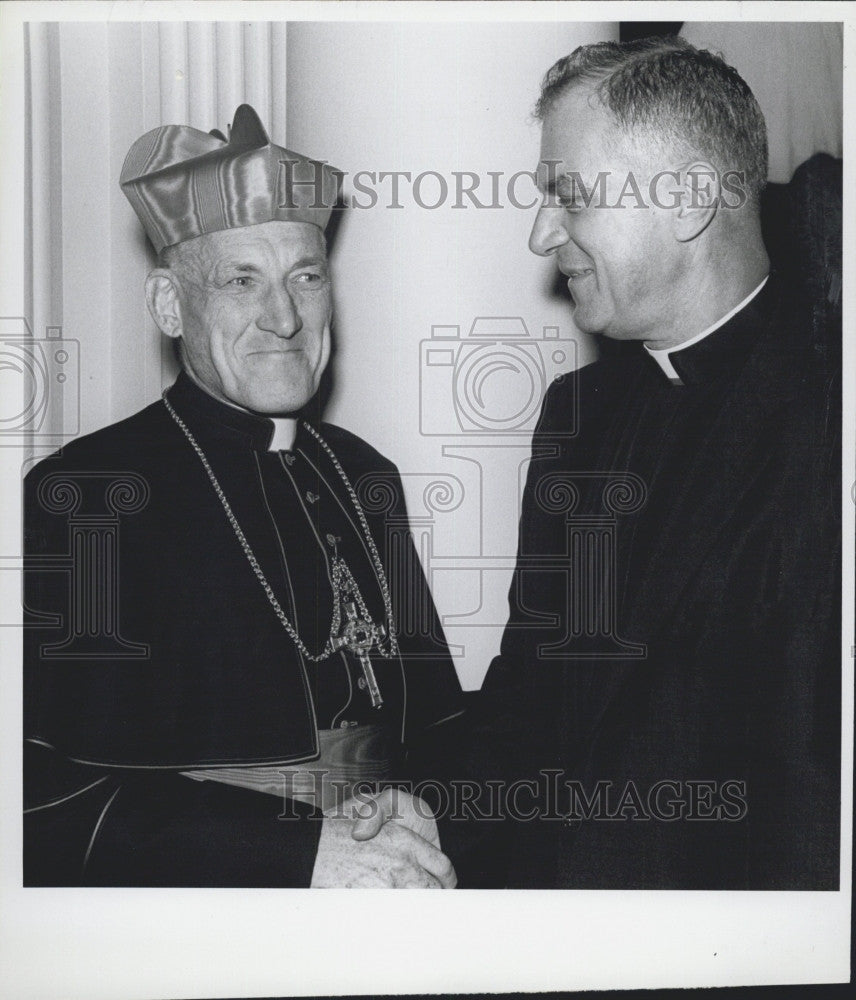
point(623, 263)
point(253, 309)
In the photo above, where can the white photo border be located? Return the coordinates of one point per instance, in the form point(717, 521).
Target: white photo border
point(135, 943)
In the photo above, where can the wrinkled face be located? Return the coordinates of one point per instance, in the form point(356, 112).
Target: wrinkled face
point(255, 307)
point(620, 258)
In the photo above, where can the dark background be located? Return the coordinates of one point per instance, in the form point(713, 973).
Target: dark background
point(630, 30)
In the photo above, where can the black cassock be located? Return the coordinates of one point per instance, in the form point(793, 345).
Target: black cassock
point(674, 639)
point(152, 648)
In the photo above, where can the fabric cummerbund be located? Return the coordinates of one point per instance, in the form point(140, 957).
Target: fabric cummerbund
point(348, 756)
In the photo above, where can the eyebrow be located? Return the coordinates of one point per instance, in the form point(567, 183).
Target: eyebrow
point(309, 262)
point(247, 268)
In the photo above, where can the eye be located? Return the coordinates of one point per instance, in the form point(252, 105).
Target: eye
point(311, 278)
point(242, 281)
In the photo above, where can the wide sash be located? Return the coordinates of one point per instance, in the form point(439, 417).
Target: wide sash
point(349, 756)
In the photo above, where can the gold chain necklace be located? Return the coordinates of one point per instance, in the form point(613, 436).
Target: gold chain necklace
point(359, 635)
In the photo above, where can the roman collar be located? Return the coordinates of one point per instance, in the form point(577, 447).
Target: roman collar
point(199, 408)
point(722, 347)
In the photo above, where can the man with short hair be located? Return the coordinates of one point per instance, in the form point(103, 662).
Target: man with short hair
point(679, 673)
point(227, 664)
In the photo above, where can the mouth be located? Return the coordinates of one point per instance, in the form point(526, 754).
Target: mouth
point(273, 351)
point(574, 274)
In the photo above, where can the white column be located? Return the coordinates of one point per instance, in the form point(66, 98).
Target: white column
point(257, 83)
point(278, 81)
point(135, 341)
point(172, 44)
point(229, 66)
point(87, 174)
point(94, 88)
point(44, 201)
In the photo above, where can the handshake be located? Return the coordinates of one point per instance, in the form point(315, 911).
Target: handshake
point(385, 841)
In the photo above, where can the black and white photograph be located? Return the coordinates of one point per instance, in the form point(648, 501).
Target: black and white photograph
point(427, 464)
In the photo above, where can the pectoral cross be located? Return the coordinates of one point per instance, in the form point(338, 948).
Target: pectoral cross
point(359, 637)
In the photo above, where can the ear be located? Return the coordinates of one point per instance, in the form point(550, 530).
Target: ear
point(698, 192)
point(162, 298)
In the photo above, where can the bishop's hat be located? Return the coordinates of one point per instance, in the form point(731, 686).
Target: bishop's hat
point(183, 183)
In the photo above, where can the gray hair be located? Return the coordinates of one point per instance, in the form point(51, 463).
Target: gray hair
point(678, 95)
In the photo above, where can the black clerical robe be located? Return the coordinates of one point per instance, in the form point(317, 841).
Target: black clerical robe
point(152, 648)
point(673, 647)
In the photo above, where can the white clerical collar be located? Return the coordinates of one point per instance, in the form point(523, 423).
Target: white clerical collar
point(662, 357)
point(284, 433)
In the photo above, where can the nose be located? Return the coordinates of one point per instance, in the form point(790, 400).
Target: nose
point(280, 315)
point(548, 231)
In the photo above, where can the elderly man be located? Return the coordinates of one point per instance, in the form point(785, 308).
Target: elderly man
point(253, 674)
point(675, 678)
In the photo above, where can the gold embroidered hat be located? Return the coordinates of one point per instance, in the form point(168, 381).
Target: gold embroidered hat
point(183, 183)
